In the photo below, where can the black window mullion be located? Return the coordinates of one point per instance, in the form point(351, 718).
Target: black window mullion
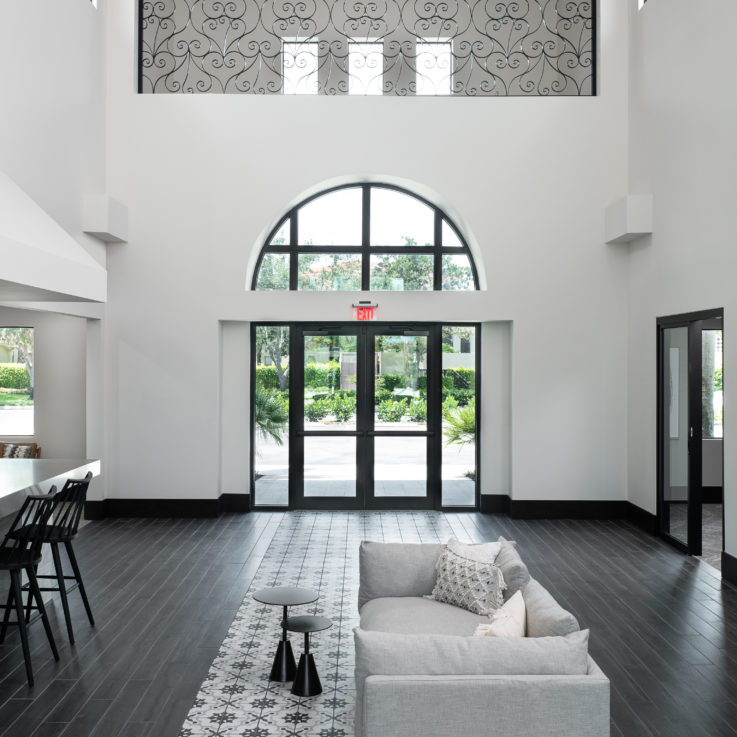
point(366, 239)
point(294, 259)
point(438, 263)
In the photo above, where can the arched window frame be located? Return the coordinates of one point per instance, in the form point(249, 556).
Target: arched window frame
point(366, 250)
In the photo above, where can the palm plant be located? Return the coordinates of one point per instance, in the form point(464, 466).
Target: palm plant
point(269, 416)
point(460, 427)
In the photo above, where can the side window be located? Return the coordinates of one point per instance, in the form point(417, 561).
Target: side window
point(16, 381)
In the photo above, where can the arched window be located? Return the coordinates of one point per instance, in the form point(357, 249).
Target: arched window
point(368, 237)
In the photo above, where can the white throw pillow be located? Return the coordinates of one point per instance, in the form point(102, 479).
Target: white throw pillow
point(480, 552)
point(507, 621)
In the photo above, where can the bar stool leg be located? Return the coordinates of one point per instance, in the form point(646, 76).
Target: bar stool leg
point(306, 682)
point(33, 585)
point(284, 666)
point(18, 596)
point(6, 616)
point(62, 589)
point(78, 577)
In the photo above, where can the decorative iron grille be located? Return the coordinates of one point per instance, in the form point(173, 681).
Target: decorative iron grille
point(390, 47)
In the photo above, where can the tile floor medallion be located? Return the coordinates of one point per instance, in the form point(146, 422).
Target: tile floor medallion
point(318, 551)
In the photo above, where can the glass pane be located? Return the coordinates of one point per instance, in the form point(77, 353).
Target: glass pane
point(273, 272)
point(330, 466)
point(675, 440)
point(271, 415)
point(329, 271)
point(457, 273)
point(459, 415)
point(450, 238)
point(400, 382)
point(400, 220)
point(400, 466)
point(281, 238)
point(434, 67)
point(330, 382)
point(299, 59)
point(333, 219)
point(404, 271)
point(16, 381)
point(711, 386)
point(366, 67)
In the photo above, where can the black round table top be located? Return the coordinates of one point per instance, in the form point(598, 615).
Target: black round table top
point(285, 596)
point(308, 623)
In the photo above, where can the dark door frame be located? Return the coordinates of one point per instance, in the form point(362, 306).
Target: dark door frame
point(692, 321)
point(433, 500)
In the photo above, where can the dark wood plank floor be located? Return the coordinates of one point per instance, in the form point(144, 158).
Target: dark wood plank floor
point(663, 627)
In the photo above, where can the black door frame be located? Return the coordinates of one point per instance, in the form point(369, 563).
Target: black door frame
point(693, 321)
point(433, 500)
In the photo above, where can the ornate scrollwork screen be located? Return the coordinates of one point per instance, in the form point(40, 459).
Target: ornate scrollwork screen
point(390, 47)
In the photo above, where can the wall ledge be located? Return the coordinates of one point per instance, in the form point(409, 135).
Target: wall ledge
point(628, 218)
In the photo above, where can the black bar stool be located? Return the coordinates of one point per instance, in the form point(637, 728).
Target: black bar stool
point(21, 551)
point(62, 529)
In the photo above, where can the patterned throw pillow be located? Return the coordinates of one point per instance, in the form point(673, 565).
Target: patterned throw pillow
point(17, 451)
point(469, 584)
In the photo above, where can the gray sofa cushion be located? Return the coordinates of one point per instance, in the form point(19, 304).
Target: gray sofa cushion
point(545, 617)
point(396, 569)
point(386, 653)
point(417, 616)
point(515, 572)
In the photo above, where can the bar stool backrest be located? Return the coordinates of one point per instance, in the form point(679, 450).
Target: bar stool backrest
point(69, 505)
point(29, 526)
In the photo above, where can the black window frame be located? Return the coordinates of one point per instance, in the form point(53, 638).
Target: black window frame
point(366, 250)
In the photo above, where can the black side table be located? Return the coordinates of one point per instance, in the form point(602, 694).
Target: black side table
point(284, 667)
point(307, 682)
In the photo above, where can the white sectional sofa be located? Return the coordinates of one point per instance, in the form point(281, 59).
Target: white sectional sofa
point(420, 672)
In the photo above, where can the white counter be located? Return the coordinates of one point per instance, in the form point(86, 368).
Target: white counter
point(22, 476)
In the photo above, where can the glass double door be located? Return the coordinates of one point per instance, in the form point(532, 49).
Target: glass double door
point(368, 428)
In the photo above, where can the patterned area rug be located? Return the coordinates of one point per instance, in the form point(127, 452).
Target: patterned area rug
point(318, 551)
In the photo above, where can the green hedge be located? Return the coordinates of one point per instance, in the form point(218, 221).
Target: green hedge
point(323, 374)
point(267, 378)
point(462, 378)
point(14, 376)
point(391, 411)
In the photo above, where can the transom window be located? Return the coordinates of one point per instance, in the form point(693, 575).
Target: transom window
point(368, 237)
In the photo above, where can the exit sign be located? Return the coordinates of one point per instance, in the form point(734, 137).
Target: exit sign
point(365, 310)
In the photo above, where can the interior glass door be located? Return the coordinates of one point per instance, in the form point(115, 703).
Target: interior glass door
point(680, 436)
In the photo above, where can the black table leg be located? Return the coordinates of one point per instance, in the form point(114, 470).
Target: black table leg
point(284, 667)
point(306, 682)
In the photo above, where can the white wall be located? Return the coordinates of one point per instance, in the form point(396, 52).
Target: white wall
point(59, 380)
point(205, 175)
point(683, 116)
point(52, 125)
point(52, 131)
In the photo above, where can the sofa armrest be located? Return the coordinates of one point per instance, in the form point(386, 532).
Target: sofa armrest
point(396, 569)
point(486, 706)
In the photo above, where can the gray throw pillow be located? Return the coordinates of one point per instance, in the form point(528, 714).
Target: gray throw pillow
point(545, 617)
point(515, 572)
point(387, 653)
point(468, 583)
